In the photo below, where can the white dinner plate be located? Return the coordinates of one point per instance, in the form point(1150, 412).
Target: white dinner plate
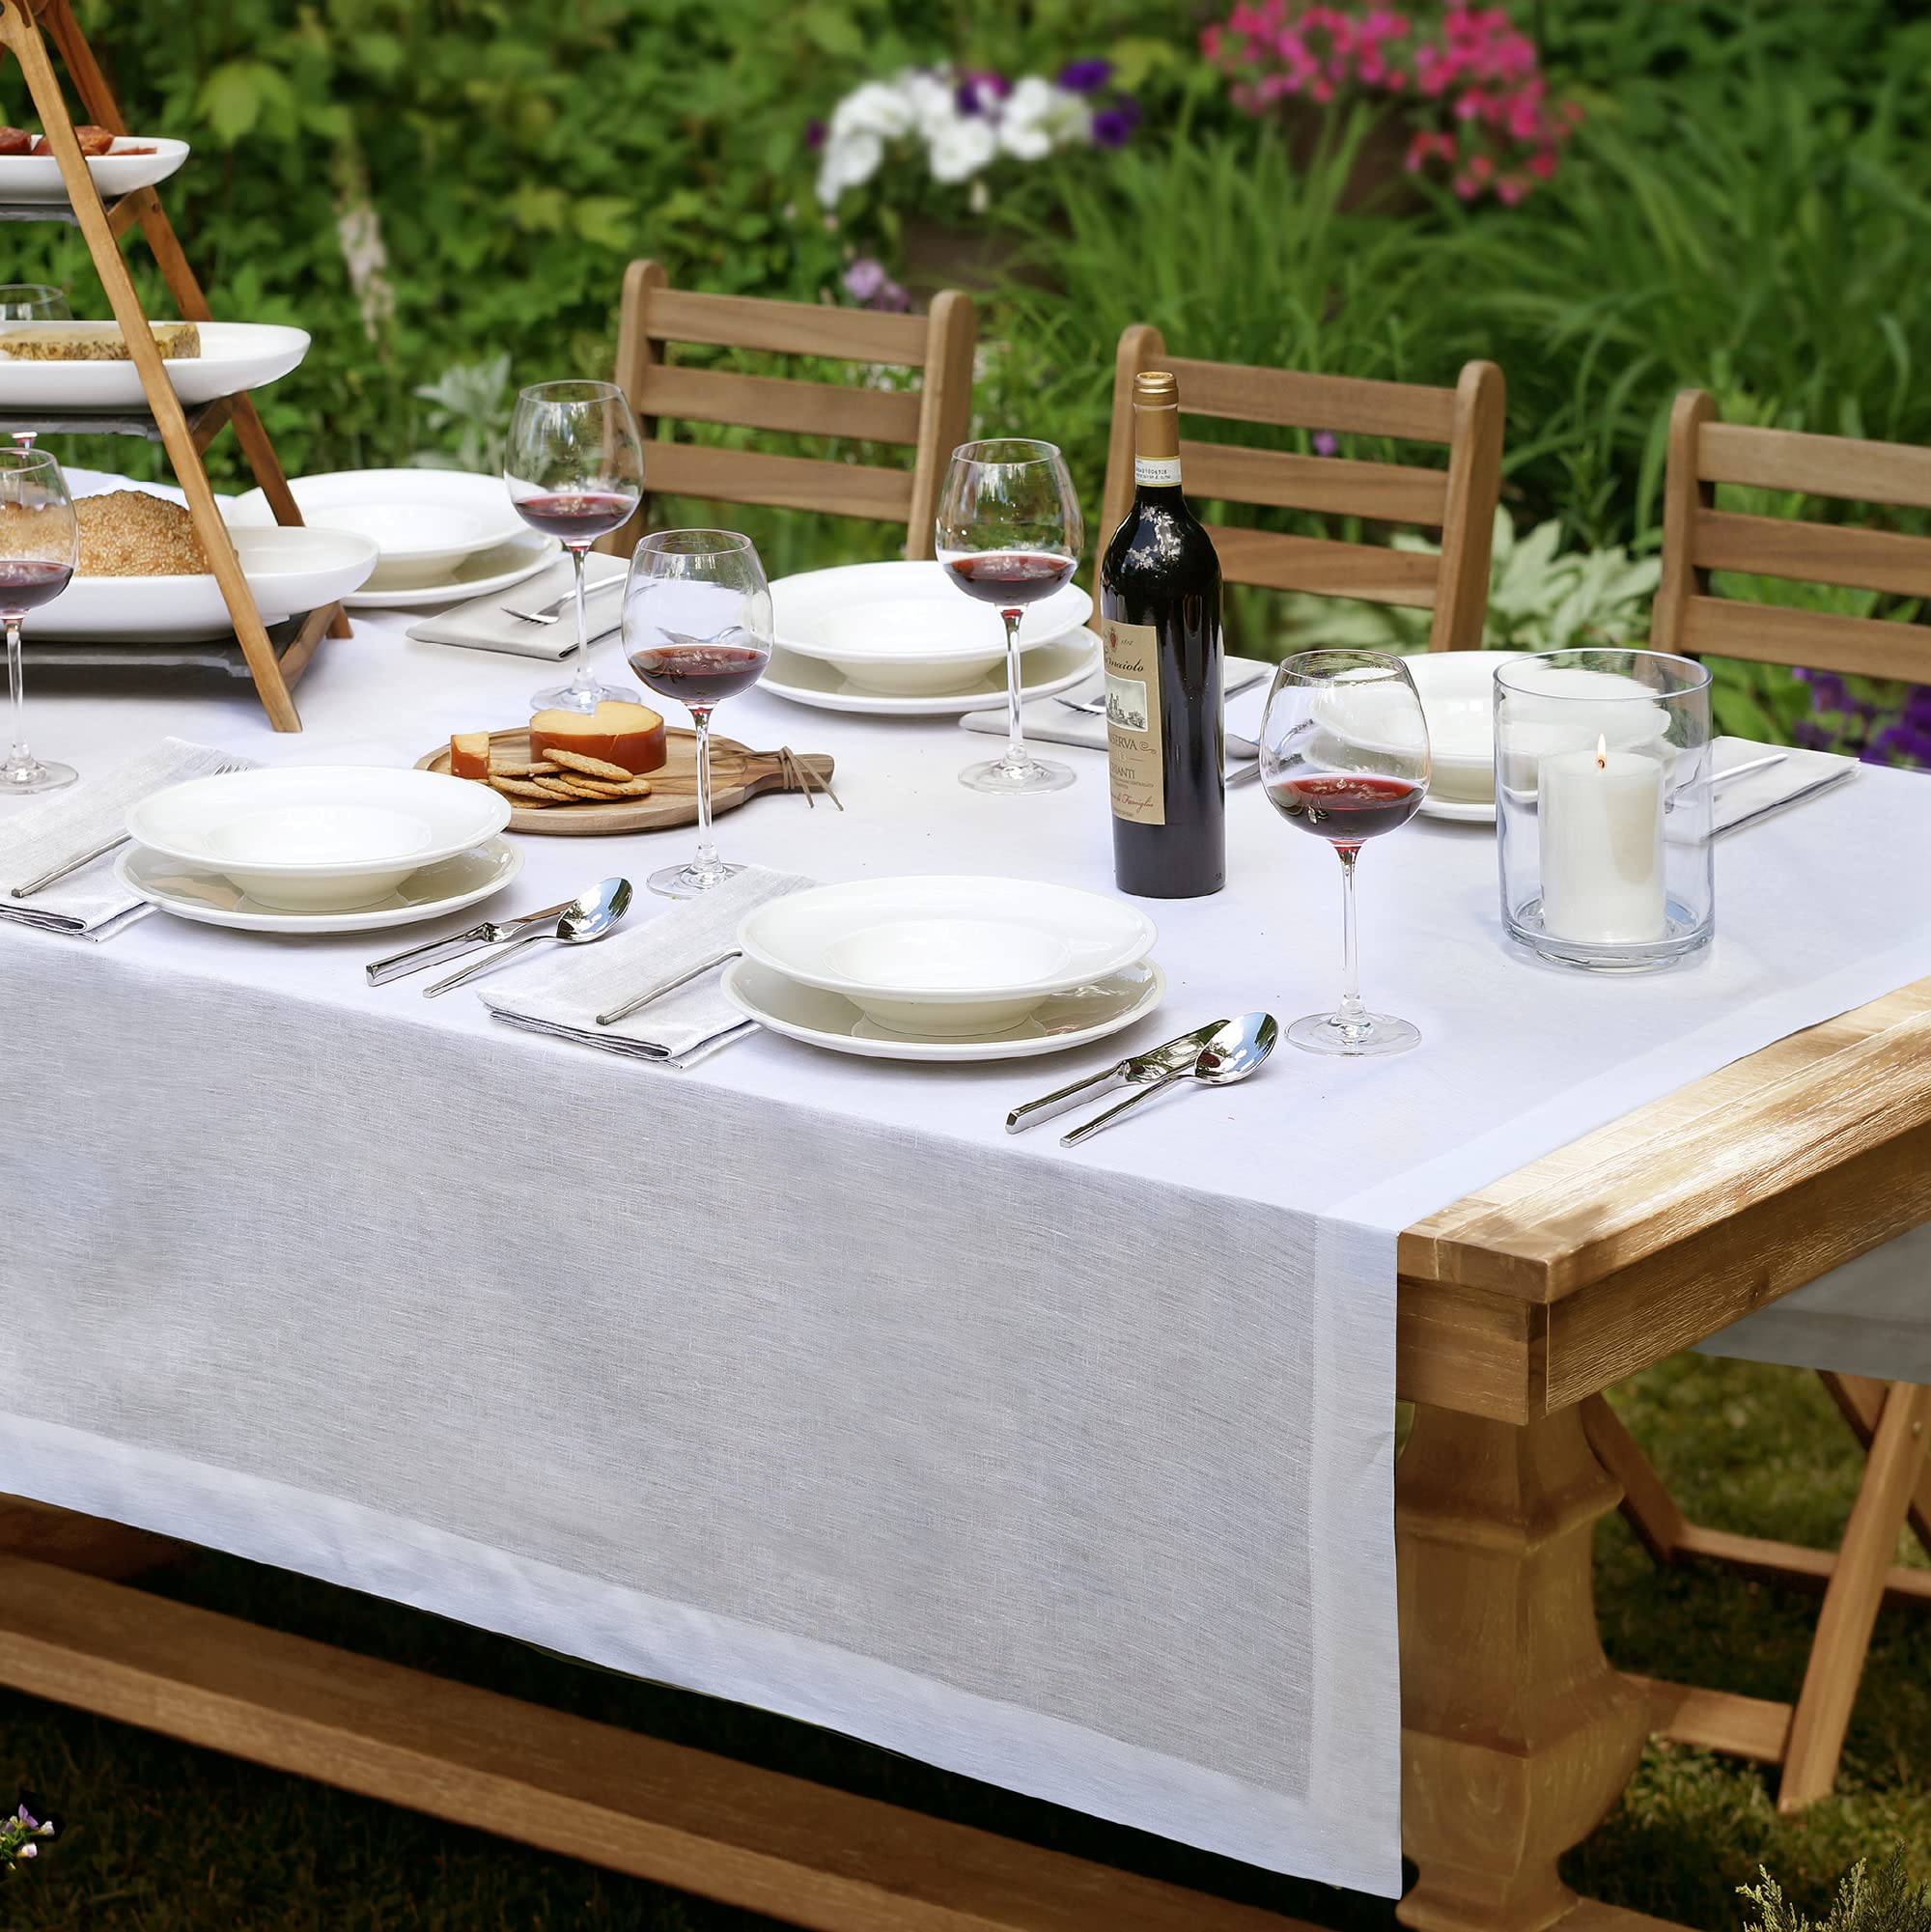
point(1459, 811)
point(36, 178)
point(904, 628)
point(1052, 667)
point(481, 576)
point(826, 1019)
point(289, 571)
point(946, 956)
point(233, 357)
point(427, 522)
point(194, 892)
point(318, 838)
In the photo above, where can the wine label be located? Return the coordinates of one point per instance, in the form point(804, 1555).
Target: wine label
point(1156, 469)
point(1134, 749)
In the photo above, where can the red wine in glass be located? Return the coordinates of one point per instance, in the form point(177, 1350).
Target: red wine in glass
point(26, 585)
point(576, 516)
point(1010, 577)
point(1346, 807)
point(699, 675)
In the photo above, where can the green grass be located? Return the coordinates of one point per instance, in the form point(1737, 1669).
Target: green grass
point(163, 1838)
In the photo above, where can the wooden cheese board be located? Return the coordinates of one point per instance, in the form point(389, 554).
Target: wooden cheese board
point(737, 775)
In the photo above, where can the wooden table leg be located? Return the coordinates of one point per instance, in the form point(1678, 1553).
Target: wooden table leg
point(1517, 1737)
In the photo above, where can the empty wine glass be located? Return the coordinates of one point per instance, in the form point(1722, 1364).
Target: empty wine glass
point(574, 465)
point(1008, 532)
point(697, 627)
point(40, 544)
point(32, 301)
point(1344, 755)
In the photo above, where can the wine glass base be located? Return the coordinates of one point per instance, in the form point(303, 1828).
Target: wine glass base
point(1029, 775)
point(569, 697)
point(1355, 1039)
point(686, 881)
point(35, 776)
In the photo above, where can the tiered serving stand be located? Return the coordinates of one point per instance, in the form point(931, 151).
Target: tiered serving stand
point(274, 662)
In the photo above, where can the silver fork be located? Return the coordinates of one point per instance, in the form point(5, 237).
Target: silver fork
point(100, 851)
point(552, 613)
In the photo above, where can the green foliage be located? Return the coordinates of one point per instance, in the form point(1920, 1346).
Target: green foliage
point(1889, 1901)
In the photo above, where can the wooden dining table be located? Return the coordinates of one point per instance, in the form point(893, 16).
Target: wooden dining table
point(1516, 1303)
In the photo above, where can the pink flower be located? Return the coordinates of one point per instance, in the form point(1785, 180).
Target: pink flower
point(1467, 187)
point(1511, 188)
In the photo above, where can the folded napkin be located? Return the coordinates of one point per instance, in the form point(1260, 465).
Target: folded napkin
point(1052, 722)
point(91, 903)
point(484, 625)
point(565, 996)
point(1800, 776)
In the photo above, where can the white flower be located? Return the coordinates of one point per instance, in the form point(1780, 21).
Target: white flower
point(848, 161)
point(879, 108)
point(959, 150)
point(1039, 117)
point(933, 103)
point(980, 199)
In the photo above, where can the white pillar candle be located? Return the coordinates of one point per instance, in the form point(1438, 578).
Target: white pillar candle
point(1601, 816)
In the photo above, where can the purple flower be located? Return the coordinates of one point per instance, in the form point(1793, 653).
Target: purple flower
point(814, 137)
point(867, 283)
point(1324, 444)
point(1113, 127)
point(978, 91)
point(1085, 76)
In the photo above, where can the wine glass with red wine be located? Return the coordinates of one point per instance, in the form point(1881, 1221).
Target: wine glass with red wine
point(39, 546)
point(32, 301)
point(574, 467)
point(697, 627)
point(1344, 755)
point(1009, 533)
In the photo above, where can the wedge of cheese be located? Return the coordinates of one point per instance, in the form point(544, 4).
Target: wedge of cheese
point(628, 735)
point(469, 754)
point(97, 342)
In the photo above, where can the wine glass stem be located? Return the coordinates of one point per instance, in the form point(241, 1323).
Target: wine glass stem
point(581, 680)
point(1350, 1015)
point(706, 860)
point(20, 758)
point(1015, 748)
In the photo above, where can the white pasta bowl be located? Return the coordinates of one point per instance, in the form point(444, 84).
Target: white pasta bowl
point(946, 956)
point(904, 628)
point(318, 838)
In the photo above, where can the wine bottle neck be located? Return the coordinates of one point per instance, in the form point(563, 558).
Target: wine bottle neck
point(1160, 473)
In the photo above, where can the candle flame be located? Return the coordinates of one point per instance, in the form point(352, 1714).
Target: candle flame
point(1602, 751)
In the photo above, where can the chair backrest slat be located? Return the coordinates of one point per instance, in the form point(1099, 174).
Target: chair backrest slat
point(1459, 501)
point(931, 420)
point(1699, 537)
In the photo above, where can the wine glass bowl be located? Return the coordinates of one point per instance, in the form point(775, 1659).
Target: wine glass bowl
point(1344, 755)
point(573, 465)
point(1008, 533)
point(697, 627)
point(32, 301)
point(39, 547)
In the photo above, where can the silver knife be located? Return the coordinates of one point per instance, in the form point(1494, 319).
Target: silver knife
point(1137, 1070)
point(491, 933)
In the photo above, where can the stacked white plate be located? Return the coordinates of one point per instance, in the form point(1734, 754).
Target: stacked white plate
point(441, 534)
point(946, 968)
point(318, 847)
point(902, 638)
point(233, 357)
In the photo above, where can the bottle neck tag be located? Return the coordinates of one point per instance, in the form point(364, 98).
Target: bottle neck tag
point(1158, 470)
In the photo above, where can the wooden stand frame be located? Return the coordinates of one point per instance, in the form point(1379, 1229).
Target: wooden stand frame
point(1805, 1738)
point(20, 35)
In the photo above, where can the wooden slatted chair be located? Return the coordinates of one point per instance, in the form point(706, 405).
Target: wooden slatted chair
point(1459, 501)
point(1889, 1419)
point(931, 420)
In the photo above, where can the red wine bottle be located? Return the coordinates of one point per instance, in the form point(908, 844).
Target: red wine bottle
point(1160, 626)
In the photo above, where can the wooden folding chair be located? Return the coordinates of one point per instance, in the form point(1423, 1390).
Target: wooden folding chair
point(931, 420)
point(1459, 501)
point(1889, 1419)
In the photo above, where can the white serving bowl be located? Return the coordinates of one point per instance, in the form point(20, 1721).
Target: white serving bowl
point(288, 570)
point(946, 956)
point(36, 178)
point(318, 838)
point(904, 628)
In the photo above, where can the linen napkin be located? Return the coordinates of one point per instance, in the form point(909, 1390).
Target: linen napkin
point(1744, 801)
point(1054, 723)
point(484, 625)
point(564, 997)
point(92, 903)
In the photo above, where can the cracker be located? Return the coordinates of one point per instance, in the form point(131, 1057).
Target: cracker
point(591, 767)
point(557, 787)
point(595, 788)
point(523, 789)
point(521, 767)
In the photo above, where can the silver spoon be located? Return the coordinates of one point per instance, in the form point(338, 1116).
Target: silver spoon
point(589, 917)
point(1233, 1051)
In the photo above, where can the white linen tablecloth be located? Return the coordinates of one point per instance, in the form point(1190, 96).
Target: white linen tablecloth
point(793, 1378)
